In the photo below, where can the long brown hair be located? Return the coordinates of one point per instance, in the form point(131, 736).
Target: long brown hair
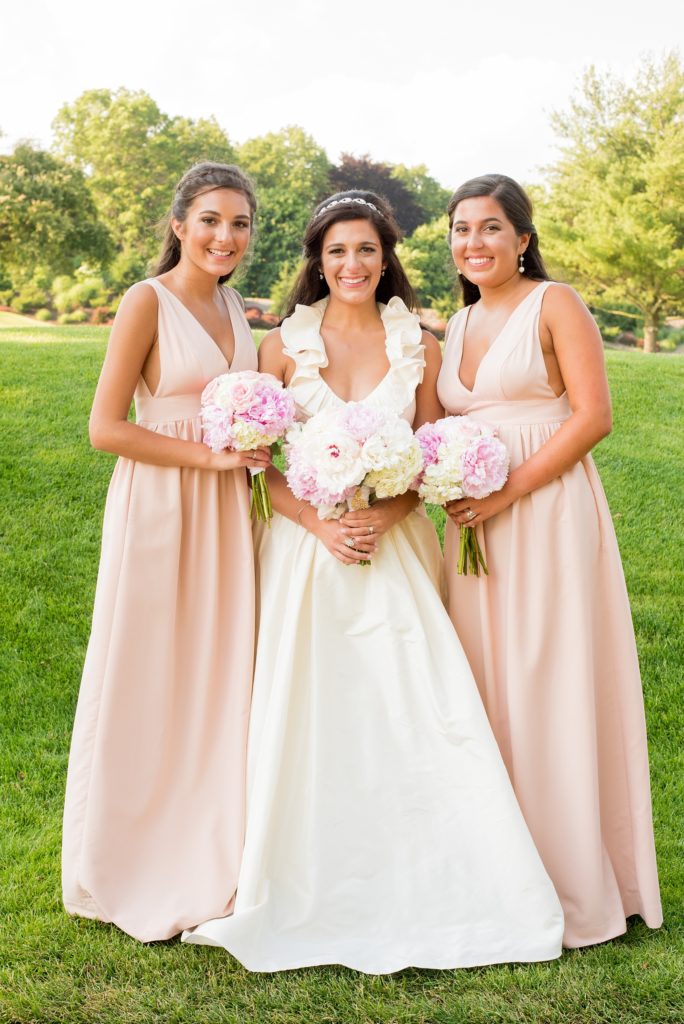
point(354, 204)
point(517, 206)
point(199, 179)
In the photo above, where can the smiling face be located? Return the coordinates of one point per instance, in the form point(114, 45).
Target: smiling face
point(216, 231)
point(484, 243)
point(352, 260)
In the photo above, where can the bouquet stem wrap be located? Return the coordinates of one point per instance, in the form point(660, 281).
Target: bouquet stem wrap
point(359, 501)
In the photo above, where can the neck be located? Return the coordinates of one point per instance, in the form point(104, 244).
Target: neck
point(502, 293)
point(350, 316)
point(191, 280)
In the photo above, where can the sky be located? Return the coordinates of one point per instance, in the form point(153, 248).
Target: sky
point(464, 88)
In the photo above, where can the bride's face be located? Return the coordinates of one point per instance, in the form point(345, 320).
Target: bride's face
point(351, 260)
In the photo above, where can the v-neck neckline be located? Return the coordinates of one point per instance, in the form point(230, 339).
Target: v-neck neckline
point(229, 362)
point(382, 380)
point(471, 391)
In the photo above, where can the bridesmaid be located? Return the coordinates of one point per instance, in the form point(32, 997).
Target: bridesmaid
point(153, 822)
point(548, 633)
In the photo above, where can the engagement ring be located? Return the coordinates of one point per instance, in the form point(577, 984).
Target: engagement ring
point(370, 529)
point(470, 514)
point(349, 541)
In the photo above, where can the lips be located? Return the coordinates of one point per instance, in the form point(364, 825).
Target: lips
point(478, 262)
point(220, 254)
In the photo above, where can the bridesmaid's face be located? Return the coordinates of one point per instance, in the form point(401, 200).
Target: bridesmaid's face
point(216, 231)
point(484, 243)
point(351, 260)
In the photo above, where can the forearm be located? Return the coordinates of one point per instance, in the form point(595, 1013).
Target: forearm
point(141, 445)
point(284, 501)
point(571, 442)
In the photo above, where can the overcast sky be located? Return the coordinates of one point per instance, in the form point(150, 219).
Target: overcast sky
point(465, 88)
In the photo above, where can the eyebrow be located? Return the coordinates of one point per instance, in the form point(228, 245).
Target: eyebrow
point(485, 221)
point(215, 213)
point(367, 242)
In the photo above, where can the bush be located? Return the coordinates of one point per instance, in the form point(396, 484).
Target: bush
point(29, 297)
point(43, 314)
point(75, 316)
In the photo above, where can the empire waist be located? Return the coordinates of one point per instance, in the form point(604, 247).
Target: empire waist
point(520, 413)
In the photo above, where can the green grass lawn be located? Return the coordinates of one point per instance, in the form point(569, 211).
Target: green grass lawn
point(57, 969)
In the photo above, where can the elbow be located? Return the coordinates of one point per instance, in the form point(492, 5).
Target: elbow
point(605, 423)
point(97, 435)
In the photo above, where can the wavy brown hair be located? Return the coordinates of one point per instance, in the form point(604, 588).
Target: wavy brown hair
point(517, 206)
point(201, 178)
point(309, 287)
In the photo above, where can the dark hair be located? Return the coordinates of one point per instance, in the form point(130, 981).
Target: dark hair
point(199, 179)
point(517, 206)
point(309, 287)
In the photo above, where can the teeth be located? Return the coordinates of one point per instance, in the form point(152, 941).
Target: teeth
point(479, 260)
point(219, 252)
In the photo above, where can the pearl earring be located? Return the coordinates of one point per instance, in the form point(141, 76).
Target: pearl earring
point(459, 272)
point(383, 274)
point(521, 267)
point(320, 275)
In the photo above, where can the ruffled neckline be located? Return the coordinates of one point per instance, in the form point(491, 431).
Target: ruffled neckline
point(303, 343)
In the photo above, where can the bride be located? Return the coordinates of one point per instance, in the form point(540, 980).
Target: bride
point(382, 829)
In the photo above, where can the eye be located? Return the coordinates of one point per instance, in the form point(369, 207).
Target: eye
point(242, 225)
point(492, 227)
point(460, 229)
point(208, 220)
point(368, 248)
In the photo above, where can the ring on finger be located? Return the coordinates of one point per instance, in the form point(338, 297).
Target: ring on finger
point(371, 529)
point(470, 514)
point(349, 541)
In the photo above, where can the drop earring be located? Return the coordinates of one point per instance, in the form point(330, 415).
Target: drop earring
point(521, 266)
point(382, 274)
point(320, 275)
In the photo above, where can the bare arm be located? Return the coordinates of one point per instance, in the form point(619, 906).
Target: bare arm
point(578, 349)
point(132, 337)
point(428, 406)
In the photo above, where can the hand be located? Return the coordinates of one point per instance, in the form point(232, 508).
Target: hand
point(254, 458)
point(460, 511)
point(380, 517)
point(333, 535)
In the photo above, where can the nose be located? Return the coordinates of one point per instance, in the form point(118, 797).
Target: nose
point(352, 261)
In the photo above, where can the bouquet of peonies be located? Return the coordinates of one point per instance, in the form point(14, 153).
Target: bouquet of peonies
point(461, 459)
point(346, 457)
point(247, 410)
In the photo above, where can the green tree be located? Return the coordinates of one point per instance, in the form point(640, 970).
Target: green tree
point(47, 217)
point(291, 173)
point(612, 219)
point(427, 191)
point(427, 261)
point(133, 155)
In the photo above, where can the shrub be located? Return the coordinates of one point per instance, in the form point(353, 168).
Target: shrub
point(43, 314)
point(75, 316)
point(29, 297)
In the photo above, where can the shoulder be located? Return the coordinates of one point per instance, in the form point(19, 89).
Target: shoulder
point(560, 299)
point(139, 306)
point(272, 342)
point(271, 353)
point(431, 345)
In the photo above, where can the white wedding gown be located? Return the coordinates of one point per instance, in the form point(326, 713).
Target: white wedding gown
point(382, 830)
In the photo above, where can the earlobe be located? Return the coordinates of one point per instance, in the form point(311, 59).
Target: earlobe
point(177, 228)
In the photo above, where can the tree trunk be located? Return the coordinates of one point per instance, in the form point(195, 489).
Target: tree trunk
point(650, 331)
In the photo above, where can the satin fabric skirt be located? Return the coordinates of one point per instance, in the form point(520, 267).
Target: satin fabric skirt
point(382, 829)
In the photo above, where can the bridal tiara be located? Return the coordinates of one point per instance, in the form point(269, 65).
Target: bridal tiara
point(347, 199)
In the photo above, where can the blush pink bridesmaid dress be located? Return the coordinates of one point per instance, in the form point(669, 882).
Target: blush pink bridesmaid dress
point(549, 637)
point(154, 815)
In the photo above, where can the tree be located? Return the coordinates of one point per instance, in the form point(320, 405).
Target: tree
point(427, 192)
point(612, 218)
point(291, 173)
point(133, 155)
point(47, 216)
point(364, 173)
point(427, 261)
